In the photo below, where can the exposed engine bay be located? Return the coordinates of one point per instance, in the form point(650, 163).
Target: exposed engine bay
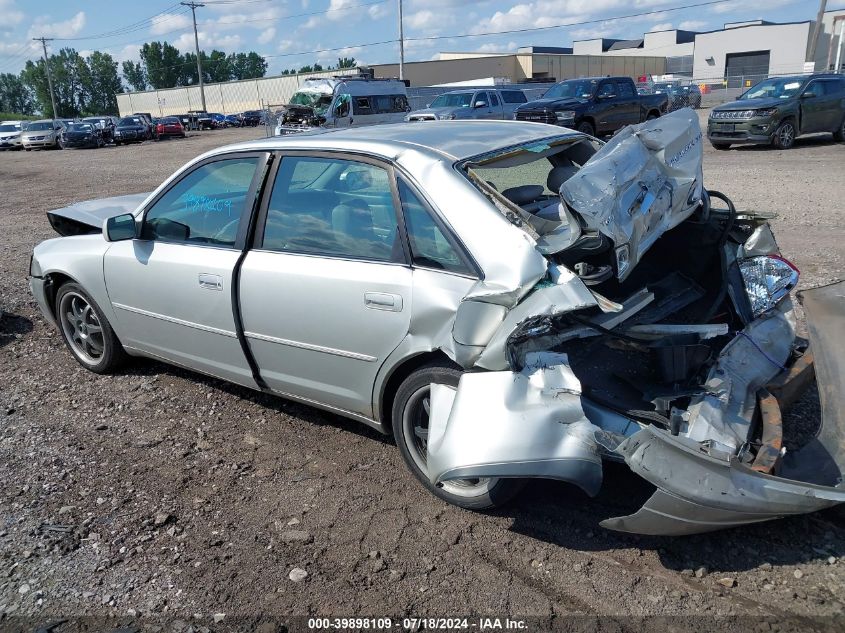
point(662, 334)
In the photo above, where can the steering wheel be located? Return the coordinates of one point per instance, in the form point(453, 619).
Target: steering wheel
point(223, 234)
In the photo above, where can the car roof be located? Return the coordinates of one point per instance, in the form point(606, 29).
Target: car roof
point(457, 140)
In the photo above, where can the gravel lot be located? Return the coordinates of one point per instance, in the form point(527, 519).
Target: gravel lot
point(162, 492)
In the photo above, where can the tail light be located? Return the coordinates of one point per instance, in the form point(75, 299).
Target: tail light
point(160, 127)
point(768, 279)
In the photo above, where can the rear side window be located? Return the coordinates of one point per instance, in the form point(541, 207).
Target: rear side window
point(332, 207)
point(624, 89)
point(494, 100)
point(389, 104)
point(205, 206)
point(430, 248)
point(833, 86)
point(513, 96)
point(363, 105)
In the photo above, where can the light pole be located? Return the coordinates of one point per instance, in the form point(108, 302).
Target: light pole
point(44, 41)
point(194, 6)
point(401, 45)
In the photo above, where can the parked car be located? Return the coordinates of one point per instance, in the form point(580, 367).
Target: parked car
point(10, 135)
point(43, 134)
point(775, 111)
point(342, 102)
point(593, 105)
point(251, 118)
point(218, 121)
point(83, 134)
point(132, 129)
point(490, 103)
point(680, 95)
point(201, 120)
point(105, 123)
point(170, 126)
point(488, 331)
point(233, 120)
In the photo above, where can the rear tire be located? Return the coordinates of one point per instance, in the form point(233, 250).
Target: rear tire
point(839, 135)
point(784, 136)
point(721, 146)
point(410, 430)
point(651, 116)
point(86, 331)
point(585, 127)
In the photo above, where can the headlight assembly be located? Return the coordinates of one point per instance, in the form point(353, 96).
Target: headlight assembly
point(767, 279)
point(566, 115)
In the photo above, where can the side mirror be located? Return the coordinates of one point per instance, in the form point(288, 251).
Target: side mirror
point(480, 104)
point(119, 228)
point(808, 95)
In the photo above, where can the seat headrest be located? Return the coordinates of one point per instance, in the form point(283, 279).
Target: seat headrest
point(560, 175)
point(353, 220)
point(523, 194)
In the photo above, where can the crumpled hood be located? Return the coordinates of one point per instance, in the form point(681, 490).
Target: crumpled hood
point(750, 104)
point(646, 180)
point(93, 213)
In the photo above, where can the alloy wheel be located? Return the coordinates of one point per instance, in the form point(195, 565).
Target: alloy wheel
point(415, 425)
point(82, 328)
point(786, 135)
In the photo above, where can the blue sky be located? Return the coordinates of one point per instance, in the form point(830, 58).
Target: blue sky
point(285, 31)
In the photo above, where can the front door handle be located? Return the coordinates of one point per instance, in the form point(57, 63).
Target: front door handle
point(383, 301)
point(210, 282)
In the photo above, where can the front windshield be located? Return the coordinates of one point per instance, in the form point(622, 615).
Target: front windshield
point(577, 88)
point(130, 121)
point(41, 125)
point(454, 100)
point(774, 88)
point(10, 128)
point(663, 87)
point(81, 127)
point(317, 100)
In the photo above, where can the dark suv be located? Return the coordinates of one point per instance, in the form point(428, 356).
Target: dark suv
point(777, 110)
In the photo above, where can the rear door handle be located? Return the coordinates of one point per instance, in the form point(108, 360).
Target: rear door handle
point(210, 282)
point(383, 301)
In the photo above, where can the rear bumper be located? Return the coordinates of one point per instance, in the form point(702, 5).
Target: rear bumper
point(697, 492)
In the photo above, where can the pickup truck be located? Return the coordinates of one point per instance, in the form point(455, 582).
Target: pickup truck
point(598, 106)
point(493, 103)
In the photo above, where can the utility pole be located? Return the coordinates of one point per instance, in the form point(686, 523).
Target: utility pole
point(194, 6)
point(401, 45)
point(44, 41)
point(814, 40)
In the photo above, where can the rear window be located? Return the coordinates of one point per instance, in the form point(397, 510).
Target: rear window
point(130, 120)
point(170, 120)
point(513, 96)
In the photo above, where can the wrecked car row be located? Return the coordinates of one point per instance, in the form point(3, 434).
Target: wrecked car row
point(510, 300)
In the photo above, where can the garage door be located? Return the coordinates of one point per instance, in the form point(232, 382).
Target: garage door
point(740, 68)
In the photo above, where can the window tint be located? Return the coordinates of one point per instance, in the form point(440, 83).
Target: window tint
point(513, 96)
point(815, 88)
point(363, 105)
point(324, 206)
point(833, 86)
point(606, 89)
point(429, 246)
point(205, 206)
point(494, 100)
point(624, 89)
point(387, 104)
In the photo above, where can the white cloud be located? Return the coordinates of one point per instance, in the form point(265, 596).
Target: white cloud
point(11, 16)
point(67, 28)
point(285, 45)
point(166, 23)
point(663, 26)
point(692, 25)
point(266, 36)
point(421, 20)
point(208, 41)
point(130, 52)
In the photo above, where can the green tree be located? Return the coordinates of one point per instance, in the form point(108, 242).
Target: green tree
point(346, 62)
point(216, 66)
point(163, 64)
point(66, 67)
point(135, 75)
point(100, 84)
point(15, 96)
point(247, 65)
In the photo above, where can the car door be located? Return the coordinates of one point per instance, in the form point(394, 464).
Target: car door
point(495, 105)
point(171, 289)
point(607, 115)
point(813, 108)
point(833, 103)
point(627, 104)
point(485, 111)
point(326, 289)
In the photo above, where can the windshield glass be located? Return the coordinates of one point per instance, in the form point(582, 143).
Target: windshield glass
point(663, 87)
point(454, 100)
point(169, 120)
point(317, 100)
point(41, 125)
point(130, 120)
point(81, 127)
point(10, 128)
point(774, 88)
point(577, 88)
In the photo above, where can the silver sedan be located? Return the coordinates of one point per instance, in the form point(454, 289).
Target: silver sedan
point(508, 300)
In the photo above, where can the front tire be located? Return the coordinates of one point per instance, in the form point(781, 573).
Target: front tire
point(86, 331)
point(585, 127)
point(410, 430)
point(721, 146)
point(784, 136)
point(839, 135)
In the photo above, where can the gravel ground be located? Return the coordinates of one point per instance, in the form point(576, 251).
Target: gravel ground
point(159, 492)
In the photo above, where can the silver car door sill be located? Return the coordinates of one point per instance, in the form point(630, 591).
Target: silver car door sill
point(169, 319)
point(309, 346)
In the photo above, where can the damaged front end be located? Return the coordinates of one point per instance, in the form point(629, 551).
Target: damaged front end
point(661, 333)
